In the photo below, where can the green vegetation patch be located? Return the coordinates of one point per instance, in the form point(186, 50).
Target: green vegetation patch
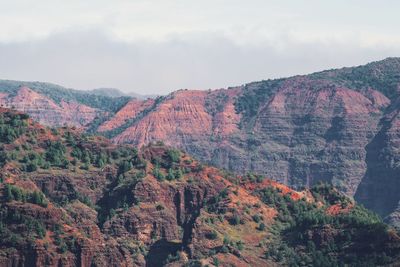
point(306, 235)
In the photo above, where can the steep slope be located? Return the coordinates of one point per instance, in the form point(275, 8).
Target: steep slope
point(379, 188)
point(315, 135)
point(131, 110)
point(197, 121)
point(67, 199)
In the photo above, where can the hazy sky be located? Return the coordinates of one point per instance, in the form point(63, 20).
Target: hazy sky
point(157, 46)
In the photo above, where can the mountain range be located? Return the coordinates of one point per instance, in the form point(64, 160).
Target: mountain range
point(337, 126)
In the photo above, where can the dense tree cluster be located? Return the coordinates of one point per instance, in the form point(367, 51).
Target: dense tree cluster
point(11, 220)
point(12, 192)
point(12, 126)
point(215, 203)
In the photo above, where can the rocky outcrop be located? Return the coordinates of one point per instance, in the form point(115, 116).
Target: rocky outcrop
point(394, 218)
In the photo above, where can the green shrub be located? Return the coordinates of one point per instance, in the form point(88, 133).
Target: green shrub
point(124, 167)
point(256, 218)
point(235, 220)
point(171, 175)
point(178, 174)
point(55, 154)
point(212, 235)
point(174, 155)
point(261, 227)
point(158, 174)
point(31, 167)
point(160, 207)
point(15, 193)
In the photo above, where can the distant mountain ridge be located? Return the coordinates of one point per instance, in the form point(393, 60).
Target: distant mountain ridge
point(114, 92)
point(340, 126)
point(58, 93)
point(110, 92)
point(96, 98)
point(55, 105)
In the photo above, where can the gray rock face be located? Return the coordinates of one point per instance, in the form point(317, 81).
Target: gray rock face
point(380, 187)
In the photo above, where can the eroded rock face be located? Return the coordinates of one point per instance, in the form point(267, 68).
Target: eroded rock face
point(180, 115)
point(308, 135)
point(300, 136)
point(46, 111)
point(193, 120)
point(394, 218)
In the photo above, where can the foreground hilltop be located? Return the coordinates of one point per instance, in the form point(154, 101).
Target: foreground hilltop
point(68, 199)
point(338, 126)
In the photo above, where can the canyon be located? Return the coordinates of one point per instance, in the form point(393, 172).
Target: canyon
point(337, 126)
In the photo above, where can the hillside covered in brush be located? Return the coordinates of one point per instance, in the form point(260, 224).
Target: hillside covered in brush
point(69, 199)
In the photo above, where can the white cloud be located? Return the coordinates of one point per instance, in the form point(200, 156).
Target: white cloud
point(242, 21)
point(159, 46)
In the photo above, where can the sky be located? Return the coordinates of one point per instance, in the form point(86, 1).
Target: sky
point(158, 46)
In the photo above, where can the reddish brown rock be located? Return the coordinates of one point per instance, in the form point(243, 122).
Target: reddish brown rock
point(129, 111)
point(183, 115)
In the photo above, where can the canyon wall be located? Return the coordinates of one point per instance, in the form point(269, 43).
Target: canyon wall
point(338, 126)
